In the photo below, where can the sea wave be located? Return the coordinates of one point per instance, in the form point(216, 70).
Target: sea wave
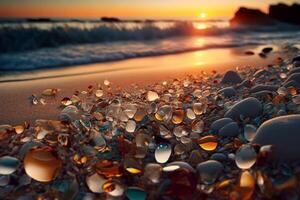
point(22, 38)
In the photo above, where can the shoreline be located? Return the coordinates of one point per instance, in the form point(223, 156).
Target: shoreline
point(120, 74)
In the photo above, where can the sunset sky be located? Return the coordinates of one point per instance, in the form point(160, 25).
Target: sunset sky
point(128, 8)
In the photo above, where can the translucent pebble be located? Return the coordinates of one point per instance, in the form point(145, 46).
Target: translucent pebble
point(190, 114)
point(134, 193)
point(50, 92)
point(293, 91)
point(249, 132)
point(95, 183)
point(132, 166)
point(198, 126)
point(164, 83)
point(71, 110)
point(66, 101)
point(164, 113)
point(246, 185)
point(8, 165)
point(178, 116)
point(282, 91)
point(199, 108)
point(113, 188)
point(205, 93)
point(283, 75)
point(19, 129)
point(163, 153)
point(34, 100)
point(208, 143)
point(75, 99)
point(98, 140)
point(142, 140)
point(245, 157)
point(164, 131)
point(180, 131)
point(130, 126)
point(43, 101)
point(42, 164)
point(152, 172)
point(106, 82)
point(140, 114)
point(130, 110)
point(179, 149)
point(197, 93)
point(152, 96)
point(108, 168)
point(99, 93)
point(296, 99)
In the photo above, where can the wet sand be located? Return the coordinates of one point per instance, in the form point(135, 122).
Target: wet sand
point(16, 89)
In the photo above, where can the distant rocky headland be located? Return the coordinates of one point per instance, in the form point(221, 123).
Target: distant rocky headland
point(277, 13)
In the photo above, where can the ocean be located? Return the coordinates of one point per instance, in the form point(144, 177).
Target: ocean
point(28, 45)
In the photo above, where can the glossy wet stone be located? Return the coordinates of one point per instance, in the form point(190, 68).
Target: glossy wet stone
point(231, 77)
point(163, 153)
point(8, 165)
point(245, 157)
point(42, 164)
point(282, 133)
point(249, 107)
point(208, 143)
point(229, 130)
point(209, 171)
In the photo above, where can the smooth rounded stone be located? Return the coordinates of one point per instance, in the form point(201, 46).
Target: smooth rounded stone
point(95, 182)
point(135, 193)
point(231, 77)
point(249, 107)
point(245, 157)
point(294, 70)
point(267, 49)
point(296, 64)
point(245, 83)
point(296, 59)
point(209, 171)
point(228, 92)
point(220, 123)
point(42, 164)
point(293, 77)
point(260, 72)
point(283, 133)
point(263, 93)
point(8, 165)
point(229, 130)
point(163, 152)
point(259, 88)
point(219, 157)
point(291, 83)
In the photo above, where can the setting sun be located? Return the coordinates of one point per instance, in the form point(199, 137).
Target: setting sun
point(202, 15)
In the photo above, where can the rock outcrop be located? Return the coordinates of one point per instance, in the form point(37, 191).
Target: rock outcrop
point(251, 17)
point(285, 13)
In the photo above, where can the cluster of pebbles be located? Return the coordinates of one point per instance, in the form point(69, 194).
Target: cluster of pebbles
point(206, 136)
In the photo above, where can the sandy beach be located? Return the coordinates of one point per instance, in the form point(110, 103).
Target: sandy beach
point(141, 71)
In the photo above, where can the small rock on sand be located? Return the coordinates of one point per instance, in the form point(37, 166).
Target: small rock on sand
point(283, 133)
point(249, 107)
point(231, 77)
point(267, 49)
